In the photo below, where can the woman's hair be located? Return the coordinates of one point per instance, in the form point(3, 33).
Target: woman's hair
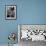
point(12, 8)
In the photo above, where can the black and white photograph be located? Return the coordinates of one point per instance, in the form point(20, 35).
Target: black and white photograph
point(30, 34)
point(10, 12)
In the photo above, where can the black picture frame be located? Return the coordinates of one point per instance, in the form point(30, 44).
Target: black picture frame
point(10, 12)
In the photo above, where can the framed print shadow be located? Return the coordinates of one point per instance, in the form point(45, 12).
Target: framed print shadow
point(10, 12)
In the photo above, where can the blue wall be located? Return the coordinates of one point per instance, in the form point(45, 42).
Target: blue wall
point(28, 12)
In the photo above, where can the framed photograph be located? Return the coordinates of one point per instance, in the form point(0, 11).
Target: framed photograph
point(10, 12)
point(33, 32)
